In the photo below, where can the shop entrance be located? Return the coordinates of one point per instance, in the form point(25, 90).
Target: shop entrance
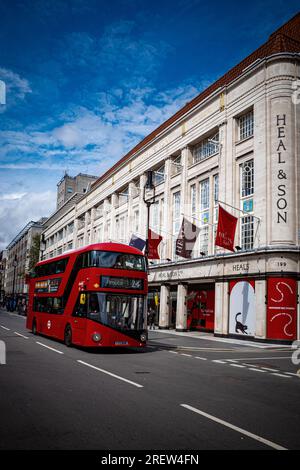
point(201, 307)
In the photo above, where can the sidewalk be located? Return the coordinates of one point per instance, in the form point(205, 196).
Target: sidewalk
point(211, 337)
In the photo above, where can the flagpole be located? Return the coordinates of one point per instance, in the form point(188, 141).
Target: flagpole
point(240, 210)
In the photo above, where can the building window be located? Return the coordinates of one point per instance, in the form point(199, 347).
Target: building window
point(122, 228)
point(247, 232)
point(123, 196)
point(206, 148)
point(176, 166)
point(193, 213)
point(136, 215)
point(159, 175)
point(69, 190)
point(99, 211)
point(246, 204)
point(70, 228)
point(204, 215)
point(246, 125)
point(247, 178)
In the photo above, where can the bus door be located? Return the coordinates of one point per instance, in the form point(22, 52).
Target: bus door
point(79, 319)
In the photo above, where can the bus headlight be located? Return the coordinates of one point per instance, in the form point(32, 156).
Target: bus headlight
point(143, 337)
point(96, 337)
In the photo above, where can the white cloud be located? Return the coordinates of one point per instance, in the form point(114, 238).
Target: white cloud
point(16, 212)
point(11, 196)
point(93, 138)
point(16, 87)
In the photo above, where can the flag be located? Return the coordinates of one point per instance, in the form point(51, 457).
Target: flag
point(226, 230)
point(137, 242)
point(153, 241)
point(186, 238)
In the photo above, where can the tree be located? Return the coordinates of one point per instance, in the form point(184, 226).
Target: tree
point(34, 252)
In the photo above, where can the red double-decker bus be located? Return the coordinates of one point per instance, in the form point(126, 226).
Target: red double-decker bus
point(92, 296)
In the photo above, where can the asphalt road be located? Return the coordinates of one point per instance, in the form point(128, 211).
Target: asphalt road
point(178, 393)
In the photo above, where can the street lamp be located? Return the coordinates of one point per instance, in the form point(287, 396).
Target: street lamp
point(15, 264)
point(149, 187)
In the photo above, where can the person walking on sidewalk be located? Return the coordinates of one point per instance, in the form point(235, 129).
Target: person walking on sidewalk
point(151, 318)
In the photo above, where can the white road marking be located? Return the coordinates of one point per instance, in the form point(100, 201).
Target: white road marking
point(173, 352)
point(219, 361)
point(48, 347)
point(256, 370)
point(235, 428)
point(187, 355)
point(260, 358)
point(202, 358)
point(4, 328)
point(19, 334)
point(111, 374)
point(237, 365)
point(269, 369)
point(282, 375)
point(292, 373)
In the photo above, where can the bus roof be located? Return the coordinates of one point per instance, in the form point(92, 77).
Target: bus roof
point(109, 246)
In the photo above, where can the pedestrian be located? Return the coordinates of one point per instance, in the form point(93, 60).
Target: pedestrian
point(151, 318)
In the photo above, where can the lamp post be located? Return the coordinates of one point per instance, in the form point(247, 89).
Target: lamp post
point(149, 186)
point(15, 264)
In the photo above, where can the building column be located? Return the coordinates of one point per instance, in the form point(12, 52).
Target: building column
point(106, 210)
point(167, 220)
point(75, 231)
point(221, 308)
point(129, 220)
point(260, 309)
point(164, 307)
point(181, 311)
point(142, 209)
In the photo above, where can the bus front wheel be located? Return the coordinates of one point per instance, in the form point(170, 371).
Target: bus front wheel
point(68, 336)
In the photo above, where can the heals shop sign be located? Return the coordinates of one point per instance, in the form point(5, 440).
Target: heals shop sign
point(282, 190)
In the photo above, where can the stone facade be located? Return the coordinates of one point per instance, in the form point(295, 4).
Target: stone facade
point(238, 146)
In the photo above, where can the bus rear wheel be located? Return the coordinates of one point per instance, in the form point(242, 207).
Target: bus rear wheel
point(68, 336)
point(34, 328)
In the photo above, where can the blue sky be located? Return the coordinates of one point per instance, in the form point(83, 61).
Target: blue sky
point(88, 79)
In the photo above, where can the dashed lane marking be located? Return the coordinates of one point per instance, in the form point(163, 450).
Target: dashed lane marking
point(282, 375)
point(243, 365)
point(235, 428)
point(4, 328)
point(110, 373)
point(19, 334)
point(48, 347)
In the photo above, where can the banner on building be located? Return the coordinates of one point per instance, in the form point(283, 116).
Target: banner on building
point(137, 242)
point(226, 230)
point(153, 241)
point(282, 308)
point(186, 238)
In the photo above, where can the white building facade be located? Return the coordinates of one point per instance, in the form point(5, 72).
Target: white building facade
point(236, 144)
